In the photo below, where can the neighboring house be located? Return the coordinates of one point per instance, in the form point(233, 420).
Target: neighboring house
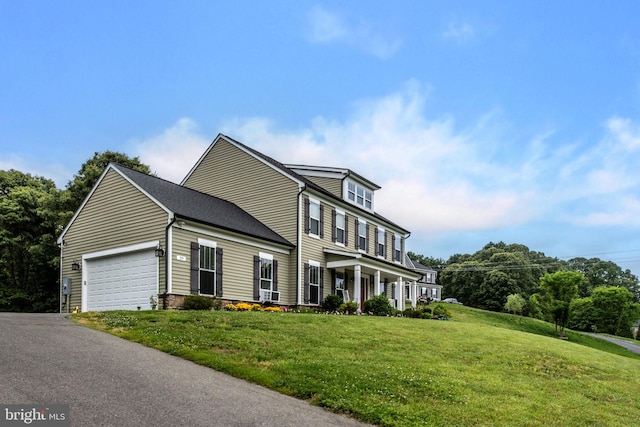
point(427, 287)
point(241, 226)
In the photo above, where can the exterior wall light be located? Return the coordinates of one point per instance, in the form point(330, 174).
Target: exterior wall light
point(75, 265)
point(159, 251)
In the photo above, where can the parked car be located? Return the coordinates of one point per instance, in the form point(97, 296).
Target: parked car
point(451, 301)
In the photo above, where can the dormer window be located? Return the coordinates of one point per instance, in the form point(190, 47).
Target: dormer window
point(359, 195)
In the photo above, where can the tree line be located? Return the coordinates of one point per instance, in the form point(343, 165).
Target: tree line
point(588, 294)
point(33, 213)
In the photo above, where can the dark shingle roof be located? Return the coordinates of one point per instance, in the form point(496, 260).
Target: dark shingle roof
point(194, 205)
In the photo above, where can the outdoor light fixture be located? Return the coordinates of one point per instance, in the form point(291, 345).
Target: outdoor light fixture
point(159, 251)
point(75, 265)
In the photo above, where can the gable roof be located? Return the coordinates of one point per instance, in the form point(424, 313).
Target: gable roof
point(190, 204)
point(282, 168)
point(415, 265)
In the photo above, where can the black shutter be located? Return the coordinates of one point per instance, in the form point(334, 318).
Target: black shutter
point(357, 234)
point(321, 221)
point(346, 230)
point(306, 283)
point(367, 241)
point(321, 293)
point(194, 279)
point(393, 248)
point(375, 241)
point(333, 225)
point(306, 216)
point(386, 249)
point(401, 250)
point(256, 277)
point(275, 275)
point(218, 272)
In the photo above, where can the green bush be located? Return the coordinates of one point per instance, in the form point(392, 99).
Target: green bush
point(378, 306)
point(440, 311)
point(348, 307)
point(332, 302)
point(197, 302)
point(421, 312)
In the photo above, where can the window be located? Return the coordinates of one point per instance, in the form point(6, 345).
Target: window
point(359, 195)
point(266, 272)
point(207, 270)
point(362, 236)
point(381, 242)
point(265, 277)
point(314, 283)
point(397, 248)
point(314, 217)
point(340, 228)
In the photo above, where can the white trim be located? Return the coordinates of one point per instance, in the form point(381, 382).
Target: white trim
point(262, 255)
point(255, 242)
point(169, 264)
point(315, 201)
point(120, 250)
point(314, 263)
point(205, 242)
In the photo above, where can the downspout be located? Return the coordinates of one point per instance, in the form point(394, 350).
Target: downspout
point(167, 256)
point(299, 248)
point(60, 283)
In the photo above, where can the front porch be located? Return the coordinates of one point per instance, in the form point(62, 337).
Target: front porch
point(358, 277)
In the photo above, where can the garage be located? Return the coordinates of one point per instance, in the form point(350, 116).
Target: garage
point(121, 282)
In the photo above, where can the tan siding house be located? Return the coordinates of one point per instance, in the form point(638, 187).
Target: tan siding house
point(240, 227)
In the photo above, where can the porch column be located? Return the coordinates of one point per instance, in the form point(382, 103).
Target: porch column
point(376, 288)
point(357, 270)
point(400, 293)
point(414, 294)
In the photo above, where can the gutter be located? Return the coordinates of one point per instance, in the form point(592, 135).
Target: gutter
point(167, 256)
point(303, 187)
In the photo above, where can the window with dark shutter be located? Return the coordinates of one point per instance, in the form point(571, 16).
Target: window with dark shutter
point(194, 280)
point(306, 283)
point(219, 272)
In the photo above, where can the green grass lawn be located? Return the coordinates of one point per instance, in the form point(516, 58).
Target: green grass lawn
point(478, 369)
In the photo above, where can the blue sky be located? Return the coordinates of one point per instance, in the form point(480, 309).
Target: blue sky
point(481, 121)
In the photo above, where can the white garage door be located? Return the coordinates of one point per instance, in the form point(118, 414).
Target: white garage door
point(122, 282)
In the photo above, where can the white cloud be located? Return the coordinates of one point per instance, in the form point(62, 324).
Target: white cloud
point(56, 172)
point(459, 33)
point(172, 153)
point(327, 27)
point(436, 178)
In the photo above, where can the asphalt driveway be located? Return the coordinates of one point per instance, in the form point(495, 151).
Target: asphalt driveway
point(108, 381)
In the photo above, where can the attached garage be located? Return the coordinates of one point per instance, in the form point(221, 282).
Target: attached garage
point(124, 281)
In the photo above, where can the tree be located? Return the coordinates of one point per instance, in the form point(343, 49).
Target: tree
point(557, 290)
point(487, 277)
point(615, 310)
point(598, 273)
point(89, 173)
point(515, 303)
point(29, 222)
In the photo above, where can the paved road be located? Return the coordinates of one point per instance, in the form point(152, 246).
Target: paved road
point(626, 344)
point(108, 381)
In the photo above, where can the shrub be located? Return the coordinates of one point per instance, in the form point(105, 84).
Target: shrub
point(349, 307)
point(421, 312)
point(332, 302)
point(378, 306)
point(441, 311)
point(197, 302)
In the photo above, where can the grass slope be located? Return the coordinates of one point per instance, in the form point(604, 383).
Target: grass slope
point(480, 369)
